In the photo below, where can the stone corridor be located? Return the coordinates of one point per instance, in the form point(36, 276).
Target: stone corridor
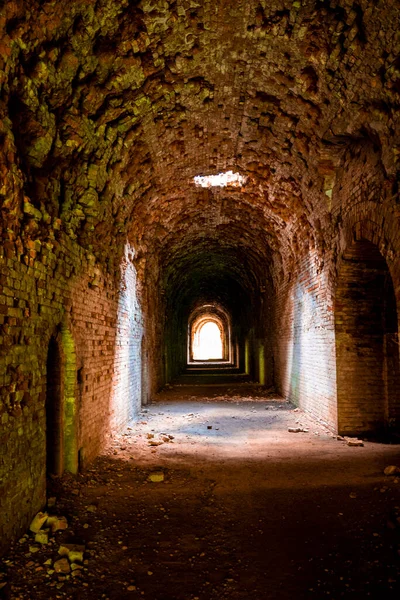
point(170, 168)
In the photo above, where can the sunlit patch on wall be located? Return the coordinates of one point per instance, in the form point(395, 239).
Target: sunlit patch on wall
point(221, 180)
point(126, 384)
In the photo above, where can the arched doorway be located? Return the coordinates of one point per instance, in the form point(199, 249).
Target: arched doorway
point(209, 336)
point(61, 412)
point(54, 410)
point(367, 352)
point(207, 342)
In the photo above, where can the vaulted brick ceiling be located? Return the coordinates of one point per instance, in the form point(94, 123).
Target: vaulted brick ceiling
point(110, 108)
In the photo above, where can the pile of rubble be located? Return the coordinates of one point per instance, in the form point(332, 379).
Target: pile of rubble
point(47, 558)
point(71, 555)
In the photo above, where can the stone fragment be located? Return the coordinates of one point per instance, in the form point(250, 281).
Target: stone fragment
point(76, 574)
point(30, 210)
point(156, 476)
point(57, 523)
point(391, 470)
point(62, 566)
point(38, 521)
point(74, 552)
point(354, 442)
point(42, 537)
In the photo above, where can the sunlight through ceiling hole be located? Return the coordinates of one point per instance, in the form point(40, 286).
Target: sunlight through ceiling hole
point(221, 180)
point(208, 342)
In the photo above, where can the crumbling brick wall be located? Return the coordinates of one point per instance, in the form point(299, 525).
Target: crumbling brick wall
point(61, 287)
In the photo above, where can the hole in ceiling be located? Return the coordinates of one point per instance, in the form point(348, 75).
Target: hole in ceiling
point(221, 180)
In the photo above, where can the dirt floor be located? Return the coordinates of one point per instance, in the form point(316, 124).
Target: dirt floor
point(245, 510)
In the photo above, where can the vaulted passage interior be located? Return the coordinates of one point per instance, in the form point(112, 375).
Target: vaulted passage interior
point(120, 237)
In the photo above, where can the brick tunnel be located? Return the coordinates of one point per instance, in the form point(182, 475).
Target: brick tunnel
point(167, 165)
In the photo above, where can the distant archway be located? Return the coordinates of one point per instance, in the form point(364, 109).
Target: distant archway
point(209, 335)
point(207, 342)
point(367, 352)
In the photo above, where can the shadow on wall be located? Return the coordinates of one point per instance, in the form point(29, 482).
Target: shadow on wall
point(126, 393)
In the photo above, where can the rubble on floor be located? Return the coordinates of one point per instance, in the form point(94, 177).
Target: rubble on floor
point(392, 470)
point(215, 526)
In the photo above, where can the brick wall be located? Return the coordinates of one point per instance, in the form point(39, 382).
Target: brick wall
point(127, 370)
point(58, 287)
point(304, 342)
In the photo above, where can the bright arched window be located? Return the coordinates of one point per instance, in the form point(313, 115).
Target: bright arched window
point(208, 342)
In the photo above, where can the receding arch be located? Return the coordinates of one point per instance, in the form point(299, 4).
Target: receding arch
point(367, 352)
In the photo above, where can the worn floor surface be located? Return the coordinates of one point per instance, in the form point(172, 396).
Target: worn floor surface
point(246, 511)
